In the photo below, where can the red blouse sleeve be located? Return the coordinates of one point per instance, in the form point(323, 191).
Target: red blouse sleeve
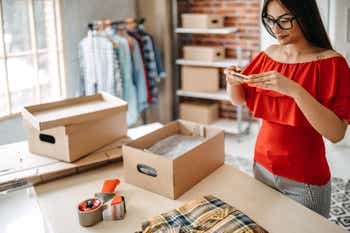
point(334, 87)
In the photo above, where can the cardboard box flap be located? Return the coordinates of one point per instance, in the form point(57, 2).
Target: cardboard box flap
point(73, 111)
point(148, 140)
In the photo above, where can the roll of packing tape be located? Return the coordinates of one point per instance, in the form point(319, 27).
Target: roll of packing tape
point(90, 212)
point(115, 209)
point(105, 197)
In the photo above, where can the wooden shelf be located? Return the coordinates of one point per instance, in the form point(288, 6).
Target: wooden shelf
point(220, 95)
point(222, 31)
point(219, 64)
point(231, 126)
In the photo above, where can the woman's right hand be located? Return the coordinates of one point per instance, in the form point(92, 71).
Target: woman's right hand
point(230, 78)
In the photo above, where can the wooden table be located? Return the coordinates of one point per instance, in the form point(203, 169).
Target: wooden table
point(58, 200)
point(272, 210)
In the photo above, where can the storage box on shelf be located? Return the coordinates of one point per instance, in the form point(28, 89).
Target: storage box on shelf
point(207, 57)
point(70, 129)
point(204, 53)
point(171, 177)
point(200, 79)
point(200, 112)
point(202, 21)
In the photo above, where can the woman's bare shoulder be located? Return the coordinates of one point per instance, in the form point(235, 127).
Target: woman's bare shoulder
point(327, 54)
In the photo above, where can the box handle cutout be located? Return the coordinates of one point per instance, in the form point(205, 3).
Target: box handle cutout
point(214, 21)
point(218, 54)
point(47, 138)
point(147, 170)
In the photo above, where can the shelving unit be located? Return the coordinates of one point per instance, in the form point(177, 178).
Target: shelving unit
point(220, 95)
point(236, 127)
point(218, 64)
point(218, 31)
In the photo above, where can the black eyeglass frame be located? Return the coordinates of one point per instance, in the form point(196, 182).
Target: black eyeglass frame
point(277, 21)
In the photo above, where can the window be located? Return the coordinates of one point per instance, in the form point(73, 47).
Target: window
point(30, 54)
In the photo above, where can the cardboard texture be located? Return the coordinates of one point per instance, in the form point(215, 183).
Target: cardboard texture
point(200, 79)
point(75, 139)
point(204, 53)
point(73, 111)
point(174, 176)
point(202, 21)
point(36, 169)
point(204, 113)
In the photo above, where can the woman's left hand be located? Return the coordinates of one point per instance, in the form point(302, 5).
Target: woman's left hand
point(274, 81)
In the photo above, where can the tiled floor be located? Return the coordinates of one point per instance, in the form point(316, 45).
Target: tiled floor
point(338, 155)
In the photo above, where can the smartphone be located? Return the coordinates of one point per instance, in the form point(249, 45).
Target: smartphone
point(241, 76)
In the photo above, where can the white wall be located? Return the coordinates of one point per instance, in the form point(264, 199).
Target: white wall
point(76, 14)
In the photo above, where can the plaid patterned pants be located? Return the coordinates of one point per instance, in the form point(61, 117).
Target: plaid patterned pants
point(314, 197)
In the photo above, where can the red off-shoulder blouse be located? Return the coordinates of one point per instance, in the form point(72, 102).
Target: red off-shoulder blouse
point(287, 145)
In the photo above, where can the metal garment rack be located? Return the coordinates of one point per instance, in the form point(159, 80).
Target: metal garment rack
point(138, 21)
point(238, 127)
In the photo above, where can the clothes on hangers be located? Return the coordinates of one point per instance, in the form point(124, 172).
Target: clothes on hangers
point(117, 76)
point(124, 64)
point(147, 74)
point(139, 78)
point(126, 72)
point(96, 56)
point(154, 52)
point(151, 66)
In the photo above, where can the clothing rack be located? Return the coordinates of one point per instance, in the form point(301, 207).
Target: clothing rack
point(137, 21)
point(130, 25)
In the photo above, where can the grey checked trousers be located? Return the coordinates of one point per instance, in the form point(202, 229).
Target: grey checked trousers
point(314, 197)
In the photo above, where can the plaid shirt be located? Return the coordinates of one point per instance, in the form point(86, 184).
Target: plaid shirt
point(205, 215)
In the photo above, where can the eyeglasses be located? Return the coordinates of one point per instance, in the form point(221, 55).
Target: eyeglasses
point(284, 22)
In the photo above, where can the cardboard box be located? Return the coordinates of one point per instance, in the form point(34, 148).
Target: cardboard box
point(200, 79)
point(204, 53)
point(173, 176)
point(204, 113)
point(70, 129)
point(202, 21)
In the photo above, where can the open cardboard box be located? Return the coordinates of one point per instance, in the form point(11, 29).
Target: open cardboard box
point(70, 129)
point(173, 177)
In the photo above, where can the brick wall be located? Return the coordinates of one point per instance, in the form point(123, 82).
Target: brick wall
point(243, 14)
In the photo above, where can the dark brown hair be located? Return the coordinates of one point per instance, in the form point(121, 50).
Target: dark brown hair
point(309, 19)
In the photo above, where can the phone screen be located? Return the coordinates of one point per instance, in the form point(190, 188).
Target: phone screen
point(241, 76)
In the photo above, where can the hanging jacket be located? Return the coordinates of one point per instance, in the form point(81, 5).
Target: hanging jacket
point(139, 78)
point(126, 71)
point(96, 57)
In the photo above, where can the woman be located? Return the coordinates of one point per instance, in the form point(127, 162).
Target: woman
point(301, 90)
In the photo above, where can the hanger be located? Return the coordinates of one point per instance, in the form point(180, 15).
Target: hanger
point(121, 28)
point(100, 27)
point(130, 24)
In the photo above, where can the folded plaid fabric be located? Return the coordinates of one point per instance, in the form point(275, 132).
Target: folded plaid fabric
point(205, 215)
